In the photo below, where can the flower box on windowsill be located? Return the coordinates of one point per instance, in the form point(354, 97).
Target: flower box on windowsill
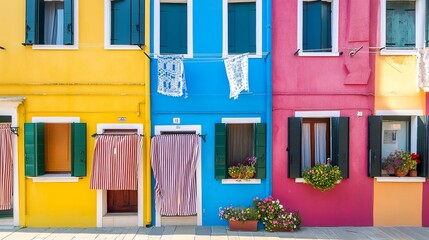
point(249, 225)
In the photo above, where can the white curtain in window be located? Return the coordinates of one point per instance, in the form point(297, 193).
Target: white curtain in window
point(306, 146)
point(54, 21)
point(423, 69)
point(320, 142)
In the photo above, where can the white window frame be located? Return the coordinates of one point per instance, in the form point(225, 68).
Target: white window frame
point(334, 31)
point(420, 29)
point(225, 53)
point(75, 45)
point(157, 26)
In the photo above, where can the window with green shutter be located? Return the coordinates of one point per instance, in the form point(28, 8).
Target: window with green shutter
point(55, 148)
point(400, 24)
point(173, 28)
point(235, 142)
point(127, 22)
point(316, 22)
point(49, 22)
point(241, 27)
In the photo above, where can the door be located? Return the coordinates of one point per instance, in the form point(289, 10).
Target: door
point(121, 201)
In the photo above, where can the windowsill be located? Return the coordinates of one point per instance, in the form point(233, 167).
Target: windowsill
point(401, 179)
point(398, 52)
point(185, 56)
point(55, 47)
point(319, 54)
point(299, 180)
point(54, 177)
point(122, 47)
point(237, 54)
point(241, 181)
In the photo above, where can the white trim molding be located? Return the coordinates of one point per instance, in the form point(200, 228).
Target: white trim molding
point(241, 120)
point(412, 112)
point(401, 179)
point(317, 114)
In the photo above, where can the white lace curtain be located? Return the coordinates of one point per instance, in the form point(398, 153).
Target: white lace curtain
point(319, 144)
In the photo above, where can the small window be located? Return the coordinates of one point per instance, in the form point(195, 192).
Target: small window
point(241, 27)
point(173, 28)
point(400, 24)
point(313, 140)
point(55, 148)
point(236, 141)
point(126, 23)
point(49, 22)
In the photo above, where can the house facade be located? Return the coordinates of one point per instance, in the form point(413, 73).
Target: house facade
point(198, 38)
point(67, 73)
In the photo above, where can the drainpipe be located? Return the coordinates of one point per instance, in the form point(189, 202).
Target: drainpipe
point(268, 79)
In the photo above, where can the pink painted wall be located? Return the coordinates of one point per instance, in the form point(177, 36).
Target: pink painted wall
point(344, 84)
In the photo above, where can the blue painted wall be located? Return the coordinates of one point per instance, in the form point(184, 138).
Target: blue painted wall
point(208, 101)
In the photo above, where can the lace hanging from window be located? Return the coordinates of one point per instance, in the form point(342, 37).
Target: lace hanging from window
point(423, 69)
point(171, 76)
point(237, 73)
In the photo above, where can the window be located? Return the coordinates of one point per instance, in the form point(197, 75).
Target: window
point(313, 140)
point(50, 22)
point(389, 133)
point(124, 21)
point(173, 27)
point(318, 27)
point(55, 148)
point(236, 141)
point(402, 26)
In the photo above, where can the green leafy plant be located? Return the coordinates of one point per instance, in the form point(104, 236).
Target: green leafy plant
point(275, 217)
point(403, 160)
point(323, 176)
point(238, 213)
point(245, 170)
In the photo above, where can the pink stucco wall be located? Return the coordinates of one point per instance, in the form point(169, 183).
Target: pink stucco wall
point(342, 83)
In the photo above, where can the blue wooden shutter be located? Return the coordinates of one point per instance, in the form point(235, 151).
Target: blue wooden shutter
point(423, 145)
point(34, 149)
point(220, 151)
point(68, 22)
point(374, 145)
point(242, 27)
point(137, 22)
point(260, 136)
point(326, 31)
point(78, 149)
point(34, 21)
point(400, 24)
point(173, 28)
point(120, 29)
point(294, 147)
point(317, 33)
point(340, 144)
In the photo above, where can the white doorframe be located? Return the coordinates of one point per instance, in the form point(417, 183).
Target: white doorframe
point(197, 130)
point(102, 194)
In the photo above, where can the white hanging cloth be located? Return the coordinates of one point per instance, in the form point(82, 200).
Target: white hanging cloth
point(423, 69)
point(171, 76)
point(237, 73)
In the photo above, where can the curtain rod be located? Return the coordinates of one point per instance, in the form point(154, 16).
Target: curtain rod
point(202, 136)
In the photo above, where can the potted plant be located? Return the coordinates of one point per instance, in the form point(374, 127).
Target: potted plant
point(243, 170)
point(323, 176)
point(240, 218)
point(415, 159)
point(275, 217)
point(400, 162)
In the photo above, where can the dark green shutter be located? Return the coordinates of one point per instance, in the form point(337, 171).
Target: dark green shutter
point(78, 149)
point(137, 22)
point(423, 145)
point(242, 27)
point(34, 10)
point(173, 28)
point(68, 22)
point(400, 24)
point(5, 119)
point(374, 145)
point(120, 32)
point(340, 144)
point(326, 31)
point(261, 150)
point(294, 147)
point(34, 149)
point(220, 151)
point(317, 32)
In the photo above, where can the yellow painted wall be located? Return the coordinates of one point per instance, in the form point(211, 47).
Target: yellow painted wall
point(397, 204)
point(92, 83)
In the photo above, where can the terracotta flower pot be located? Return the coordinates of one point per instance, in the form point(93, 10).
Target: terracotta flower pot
point(400, 173)
point(412, 173)
point(250, 225)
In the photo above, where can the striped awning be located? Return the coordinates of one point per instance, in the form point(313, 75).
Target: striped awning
point(174, 161)
point(115, 162)
point(6, 167)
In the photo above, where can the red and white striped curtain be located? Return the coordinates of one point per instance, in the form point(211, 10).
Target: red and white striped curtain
point(174, 161)
point(115, 162)
point(6, 168)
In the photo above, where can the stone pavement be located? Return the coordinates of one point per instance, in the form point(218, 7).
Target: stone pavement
point(215, 233)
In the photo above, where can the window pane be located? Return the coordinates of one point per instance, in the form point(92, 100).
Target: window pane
point(239, 142)
point(242, 27)
point(173, 28)
point(317, 34)
point(400, 24)
point(395, 136)
point(120, 24)
point(53, 23)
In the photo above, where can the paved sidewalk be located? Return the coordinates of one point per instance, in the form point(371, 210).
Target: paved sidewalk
point(216, 233)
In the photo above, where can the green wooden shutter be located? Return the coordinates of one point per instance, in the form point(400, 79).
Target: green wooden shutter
point(34, 16)
point(220, 151)
point(34, 149)
point(340, 144)
point(5, 119)
point(294, 147)
point(120, 23)
point(173, 28)
point(423, 145)
point(68, 22)
point(137, 22)
point(374, 145)
point(260, 136)
point(242, 27)
point(400, 24)
point(326, 31)
point(78, 149)
point(311, 26)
